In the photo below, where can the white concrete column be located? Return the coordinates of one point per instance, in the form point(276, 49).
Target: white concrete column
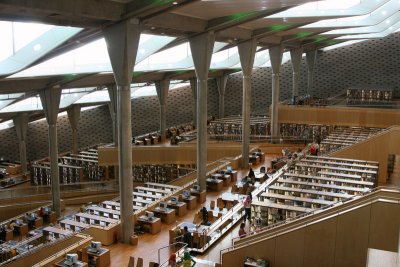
point(112, 106)
point(162, 88)
point(296, 55)
point(202, 47)
point(193, 86)
point(275, 54)
point(51, 101)
point(21, 126)
point(221, 84)
point(311, 57)
point(122, 43)
point(74, 114)
point(247, 51)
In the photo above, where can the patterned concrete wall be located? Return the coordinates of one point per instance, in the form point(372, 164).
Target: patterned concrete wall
point(374, 62)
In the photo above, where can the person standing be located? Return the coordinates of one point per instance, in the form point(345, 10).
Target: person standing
point(247, 207)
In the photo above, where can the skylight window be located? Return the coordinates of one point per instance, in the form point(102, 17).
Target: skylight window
point(331, 8)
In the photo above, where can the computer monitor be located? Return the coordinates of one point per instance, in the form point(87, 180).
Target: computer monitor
point(174, 200)
point(71, 258)
point(18, 222)
point(140, 191)
point(186, 193)
point(196, 187)
point(163, 205)
point(229, 168)
point(95, 245)
point(149, 214)
point(46, 210)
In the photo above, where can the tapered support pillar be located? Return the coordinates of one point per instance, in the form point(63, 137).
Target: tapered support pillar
point(221, 83)
point(51, 101)
point(21, 126)
point(193, 86)
point(275, 55)
point(74, 114)
point(202, 48)
point(112, 106)
point(162, 88)
point(311, 57)
point(296, 55)
point(247, 51)
point(122, 43)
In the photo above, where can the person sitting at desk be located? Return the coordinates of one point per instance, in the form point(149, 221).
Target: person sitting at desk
point(204, 213)
point(242, 232)
point(41, 212)
point(3, 232)
point(187, 236)
point(251, 174)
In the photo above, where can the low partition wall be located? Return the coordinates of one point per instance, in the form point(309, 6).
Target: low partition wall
point(52, 253)
point(106, 235)
point(345, 116)
point(185, 154)
point(14, 211)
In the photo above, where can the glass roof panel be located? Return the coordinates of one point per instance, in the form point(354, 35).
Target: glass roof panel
point(372, 18)
point(24, 33)
point(331, 8)
point(27, 104)
point(6, 44)
point(92, 58)
point(371, 29)
point(96, 96)
point(36, 49)
point(342, 44)
point(381, 34)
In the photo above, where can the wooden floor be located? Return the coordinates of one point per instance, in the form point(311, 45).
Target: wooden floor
point(149, 244)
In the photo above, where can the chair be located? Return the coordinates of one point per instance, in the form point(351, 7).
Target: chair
point(220, 203)
point(262, 169)
point(196, 240)
point(229, 205)
point(131, 262)
point(197, 218)
point(139, 262)
point(234, 188)
point(212, 204)
point(211, 218)
point(180, 198)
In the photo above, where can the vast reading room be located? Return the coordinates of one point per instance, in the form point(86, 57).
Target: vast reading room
point(226, 133)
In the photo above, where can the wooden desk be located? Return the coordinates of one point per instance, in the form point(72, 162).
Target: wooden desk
point(57, 232)
point(201, 196)
point(166, 215)
point(179, 207)
point(103, 211)
point(153, 225)
point(162, 186)
point(214, 184)
point(153, 191)
point(191, 202)
point(36, 222)
point(226, 178)
point(97, 219)
point(232, 173)
point(73, 224)
point(23, 228)
point(146, 196)
point(9, 235)
point(64, 264)
point(116, 205)
point(102, 257)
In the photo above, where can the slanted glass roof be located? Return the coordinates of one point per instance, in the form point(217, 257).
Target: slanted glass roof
point(20, 52)
point(332, 8)
point(92, 58)
point(374, 17)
